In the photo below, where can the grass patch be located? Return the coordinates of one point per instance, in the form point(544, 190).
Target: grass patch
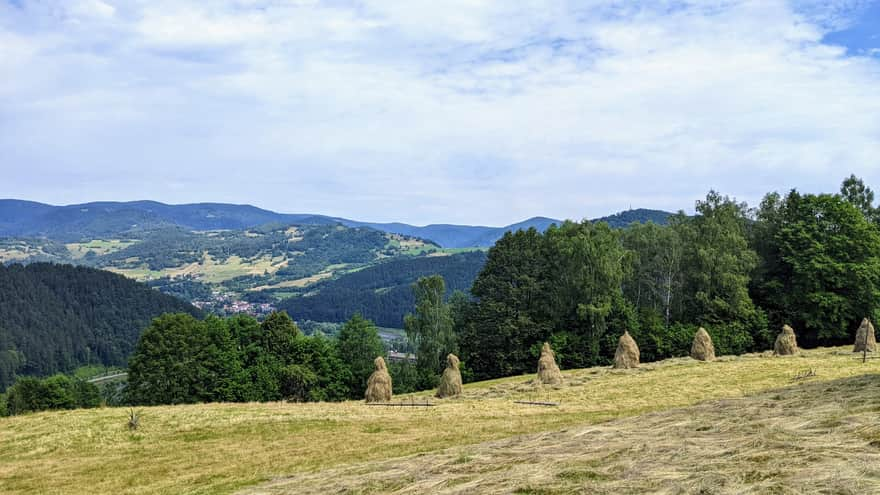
point(100, 247)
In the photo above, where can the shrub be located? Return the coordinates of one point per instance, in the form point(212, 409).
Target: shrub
point(29, 394)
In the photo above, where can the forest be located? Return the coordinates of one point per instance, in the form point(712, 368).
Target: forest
point(58, 317)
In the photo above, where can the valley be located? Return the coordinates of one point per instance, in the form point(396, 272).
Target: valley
point(215, 268)
point(229, 259)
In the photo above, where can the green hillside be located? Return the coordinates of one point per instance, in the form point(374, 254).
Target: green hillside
point(382, 292)
point(193, 264)
point(59, 317)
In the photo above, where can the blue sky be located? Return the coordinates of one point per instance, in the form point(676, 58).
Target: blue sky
point(461, 111)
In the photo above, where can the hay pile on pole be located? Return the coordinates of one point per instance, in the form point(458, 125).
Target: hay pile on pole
point(548, 371)
point(866, 341)
point(450, 382)
point(627, 355)
point(702, 349)
point(786, 342)
point(379, 383)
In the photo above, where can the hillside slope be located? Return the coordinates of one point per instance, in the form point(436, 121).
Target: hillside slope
point(222, 448)
point(816, 438)
point(58, 317)
point(73, 223)
point(383, 292)
point(196, 263)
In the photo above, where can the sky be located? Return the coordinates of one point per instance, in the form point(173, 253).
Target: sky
point(460, 111)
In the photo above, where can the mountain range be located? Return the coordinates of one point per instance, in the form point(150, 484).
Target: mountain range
point(97, 220)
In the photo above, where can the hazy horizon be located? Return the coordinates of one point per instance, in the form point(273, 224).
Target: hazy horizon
point(479, 113)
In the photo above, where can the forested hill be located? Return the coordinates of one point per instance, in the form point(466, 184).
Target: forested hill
point(383, 292)
point(640, 215)
point(125, 220)
point(131, 219)
point(58, 317)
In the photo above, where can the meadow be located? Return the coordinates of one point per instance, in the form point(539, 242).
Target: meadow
point(225, 448)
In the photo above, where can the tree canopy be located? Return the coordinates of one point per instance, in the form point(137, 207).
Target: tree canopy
point(812, 261)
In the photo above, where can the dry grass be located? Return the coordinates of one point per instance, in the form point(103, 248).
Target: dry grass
point(627, 354)
point(298, 283)
point(379, 388)
point(548, 370)
point(219, 448)
point(209, 270)
point(816, 438)
point(450, 382)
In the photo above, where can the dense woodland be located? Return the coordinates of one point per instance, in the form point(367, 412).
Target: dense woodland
point(58, 317)
point(809, 260)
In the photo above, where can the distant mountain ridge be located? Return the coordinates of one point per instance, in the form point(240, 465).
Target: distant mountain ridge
point(69, 223)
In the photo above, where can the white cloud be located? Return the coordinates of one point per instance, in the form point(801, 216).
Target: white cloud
point(472, 111)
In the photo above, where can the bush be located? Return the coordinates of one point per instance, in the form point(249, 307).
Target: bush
point(404, 377)
point(297, 382)
point(25, 395)
point(29, 394)
point(731, 339)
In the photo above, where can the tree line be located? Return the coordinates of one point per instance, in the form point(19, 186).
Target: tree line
point(809, 260)
point(180, 359)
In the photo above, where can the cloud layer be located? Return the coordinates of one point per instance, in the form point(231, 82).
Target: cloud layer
point(458, 111)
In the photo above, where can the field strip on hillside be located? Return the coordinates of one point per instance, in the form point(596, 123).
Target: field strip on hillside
point(223, 448)
point(820, 437)
point(298, 283)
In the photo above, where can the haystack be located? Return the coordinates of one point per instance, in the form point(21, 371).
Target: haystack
point(702, 348)
point(786, 342)
point(450, 382)
point(627, 355)
point(865, 338)
point(548, 371)
point(379, 383)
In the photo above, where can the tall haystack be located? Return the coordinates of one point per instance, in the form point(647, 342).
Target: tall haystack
point(548, 371)
point(702, 348)
point(450, 382)
point(865, 338)
point(627, 355)
point(379, 383)
point(786, 342)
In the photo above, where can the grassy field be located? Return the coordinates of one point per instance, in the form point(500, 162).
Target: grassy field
point(222, 448)
point(210, 270)
point(17, 250)
point(820, 437)
point(98, 246)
